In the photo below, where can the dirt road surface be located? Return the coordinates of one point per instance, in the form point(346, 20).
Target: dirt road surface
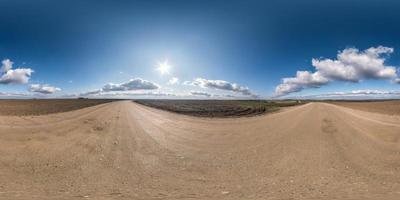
point(123, 150)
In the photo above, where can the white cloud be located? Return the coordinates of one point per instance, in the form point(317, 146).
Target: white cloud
point(123, 94)
point(154, 94)
point(220, 85)
point(6, 65)
point(355, 94)
point(13, 94)
point(351, 65)
point(303, 79)
point(86, 94)
point(173, 81)
point(43, 89)
point(17, 76)
point(133, 84)
point(115, 89)
point(197, 93)
point(137, 88)
point(216, 96)
point(14, 76)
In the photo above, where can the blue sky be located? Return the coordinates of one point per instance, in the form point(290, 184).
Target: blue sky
point(216, 49)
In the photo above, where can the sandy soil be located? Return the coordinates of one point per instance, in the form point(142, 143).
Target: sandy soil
point(123, 150)
point(391, 107)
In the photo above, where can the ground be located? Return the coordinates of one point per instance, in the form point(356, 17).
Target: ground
point(124, 150)
point(390, 107)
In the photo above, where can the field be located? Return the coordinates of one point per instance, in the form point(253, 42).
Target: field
point(42, 107)
point(390, 107)
point(218, 108)
point(125, 150)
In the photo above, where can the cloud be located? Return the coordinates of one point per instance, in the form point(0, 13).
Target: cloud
point(153, 94)
point(351, 65)
point(220, 85)
point(303, 79)
point(89, 93)
point(197, 93)
point(22, 95)
point(215, 96)
point(13, 94)
point(13, 76)
point(173, 81)
point(132, 84)
point(43, 89)
point(115, 88)
point(6, 65)
point(137, 88)
point(355, 94)
point(122, 94)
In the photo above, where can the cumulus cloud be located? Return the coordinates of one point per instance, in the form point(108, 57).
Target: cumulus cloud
point(173, 81)
point(220, 85)
point(13, 76)
point(6, 65)
point(303, 79)
point(43, 89)
point(132, 84)
point(115, 89)
point(17, 76)
point(351, 65)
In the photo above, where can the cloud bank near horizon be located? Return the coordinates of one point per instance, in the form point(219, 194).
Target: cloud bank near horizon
point(139, 87)
point(220, 85)
point(132, 84)
point(113, 88)
point(355, 94)
point(43, 88)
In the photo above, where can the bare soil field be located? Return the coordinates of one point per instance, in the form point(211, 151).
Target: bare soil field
point(218, 108)
point(390, 107)
point(124, 150)
point(45, 106)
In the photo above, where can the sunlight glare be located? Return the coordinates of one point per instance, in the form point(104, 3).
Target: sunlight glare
point(163, 67)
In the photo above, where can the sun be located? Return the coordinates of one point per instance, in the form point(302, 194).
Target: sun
point(163, 67)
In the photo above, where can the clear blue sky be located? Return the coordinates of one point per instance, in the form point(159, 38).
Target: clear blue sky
point(80, 46)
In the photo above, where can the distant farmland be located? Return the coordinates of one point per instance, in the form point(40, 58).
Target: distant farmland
point(45, 106)
point(218, 108)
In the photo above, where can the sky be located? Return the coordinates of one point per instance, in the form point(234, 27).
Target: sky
point(200, 49)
